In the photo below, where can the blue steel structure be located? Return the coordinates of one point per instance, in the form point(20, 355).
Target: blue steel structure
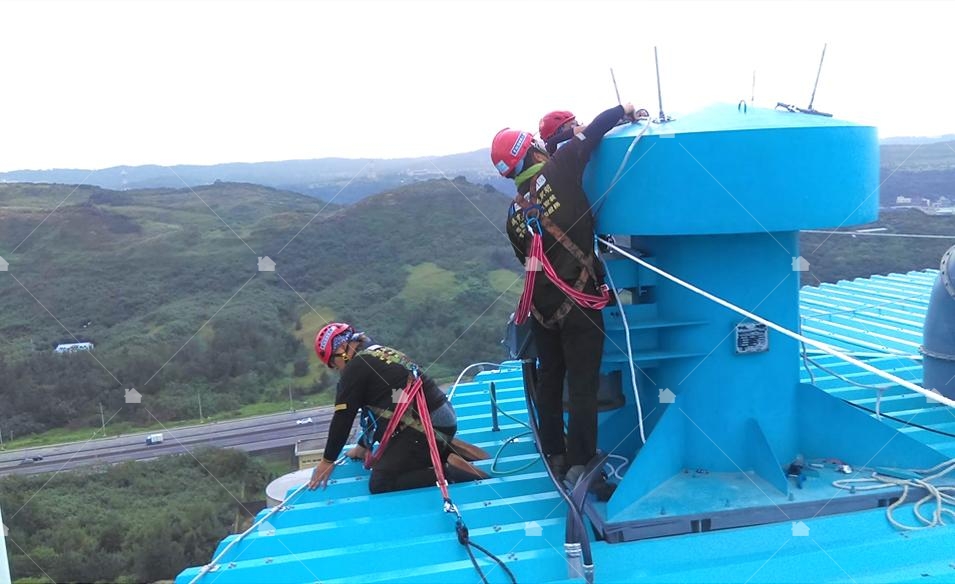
point(717, 199)
point(718, 202)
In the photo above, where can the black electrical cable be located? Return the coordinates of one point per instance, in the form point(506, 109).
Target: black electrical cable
point(475, 564)
point(497, 560)
point(900, 420)
point(871, 411)
point(578, 529)
point(464, 539)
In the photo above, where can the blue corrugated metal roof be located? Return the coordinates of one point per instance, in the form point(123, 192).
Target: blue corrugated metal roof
point(347, 535)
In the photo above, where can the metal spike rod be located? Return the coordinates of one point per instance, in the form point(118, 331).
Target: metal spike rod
point(818, 72)
point(659, 91)
point(617, 91)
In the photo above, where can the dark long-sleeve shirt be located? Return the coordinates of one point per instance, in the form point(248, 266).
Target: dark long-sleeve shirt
point(561, 195)
point(556, 140)
point(368, 381)
point(559, 138)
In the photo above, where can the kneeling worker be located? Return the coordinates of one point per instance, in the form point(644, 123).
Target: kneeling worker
point(371, 377)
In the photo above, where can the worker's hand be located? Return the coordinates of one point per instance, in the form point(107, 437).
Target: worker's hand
point(628, 109)
point(321, 474)
point(356, 453)
point(579, 129)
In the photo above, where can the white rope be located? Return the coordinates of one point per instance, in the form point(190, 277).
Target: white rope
point(880, 389)
point(626, 330)
point(215, 561)
point(940, 495)
point(875, 355)
point(633, 143)
point(599, 206)
point(818, 345)
point(854, 233)
point(466, 369)
point(615, 470)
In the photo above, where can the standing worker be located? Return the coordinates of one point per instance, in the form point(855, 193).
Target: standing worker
point(557, 127)
point(568, 324)
point(373, 378)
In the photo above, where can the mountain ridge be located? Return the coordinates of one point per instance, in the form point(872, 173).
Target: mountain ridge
point(342, 179)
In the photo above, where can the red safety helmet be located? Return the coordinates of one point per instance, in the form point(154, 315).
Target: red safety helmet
point(552, 122)
point(324, 340)
point(508, 150)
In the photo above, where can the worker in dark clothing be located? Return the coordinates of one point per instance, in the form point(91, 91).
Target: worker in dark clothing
point(569, 337)
point(373, 378)
point(557, 127)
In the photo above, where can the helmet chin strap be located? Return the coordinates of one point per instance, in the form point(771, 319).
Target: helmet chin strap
point(349, 351)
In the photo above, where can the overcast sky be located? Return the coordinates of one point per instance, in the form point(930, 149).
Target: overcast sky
point(92, 85)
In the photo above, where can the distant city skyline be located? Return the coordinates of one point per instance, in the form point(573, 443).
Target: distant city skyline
point(102, 84)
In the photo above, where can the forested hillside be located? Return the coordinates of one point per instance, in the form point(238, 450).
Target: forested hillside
point(165, 283)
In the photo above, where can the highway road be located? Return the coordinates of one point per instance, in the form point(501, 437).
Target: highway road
point(255, 434)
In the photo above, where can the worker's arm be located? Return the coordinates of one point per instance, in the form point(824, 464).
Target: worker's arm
point(517, 233)
point(576, 154)
point(555, 141)
point(347, 402)
point(337, 435)
point(338, 431)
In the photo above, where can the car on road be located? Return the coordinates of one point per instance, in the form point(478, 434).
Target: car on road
point(303, 421)
point(153, 439)
point(31, 459)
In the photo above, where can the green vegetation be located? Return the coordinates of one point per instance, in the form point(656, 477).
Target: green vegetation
point(916, 185)
point(424, 279)
point(132, 522)
point(918, 171)
point(910, 157)
point(506, 281)
point(843, 257)
point(165, 283)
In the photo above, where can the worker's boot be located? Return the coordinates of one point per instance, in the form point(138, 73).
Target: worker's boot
point(602, 488)
point(467, 451)
point(462, 471)
point(599, 486)
point(557, 464)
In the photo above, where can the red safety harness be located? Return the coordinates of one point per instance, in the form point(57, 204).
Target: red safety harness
point(537, 260)
point(413, 392)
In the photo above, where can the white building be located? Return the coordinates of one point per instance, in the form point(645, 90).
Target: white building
point(902, 200)
point(73, 347)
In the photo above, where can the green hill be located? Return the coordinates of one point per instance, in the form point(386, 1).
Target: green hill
point(325, 178)
point(165, 283)
point(913, 157)
point(844, 257)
